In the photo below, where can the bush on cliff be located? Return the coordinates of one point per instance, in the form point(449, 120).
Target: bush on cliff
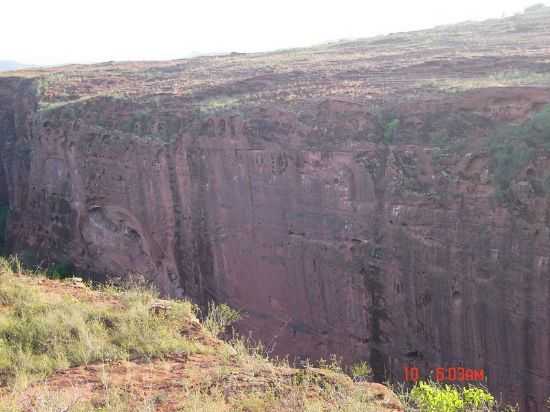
point(219, 318)
point(361, 371)
point(390, 131)
point(512, 147)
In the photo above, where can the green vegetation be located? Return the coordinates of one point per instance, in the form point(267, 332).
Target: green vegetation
point(390, 131)
point(445, 146)
point(512, 147)
point(330, 395)
point(219, 318)
point(333, 364)
point(361, 371)
point(221, 103)
point(42, 332)
point(434, 397)
point(431, 397)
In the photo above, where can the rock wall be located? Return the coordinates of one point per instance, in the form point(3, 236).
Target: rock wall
point(332, 233)
point(10, 104)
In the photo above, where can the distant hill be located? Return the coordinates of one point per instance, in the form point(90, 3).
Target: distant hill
point(7, 65)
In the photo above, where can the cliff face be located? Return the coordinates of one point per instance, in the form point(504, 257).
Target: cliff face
point(373, 229)
point(365, 249)
point(13, 161)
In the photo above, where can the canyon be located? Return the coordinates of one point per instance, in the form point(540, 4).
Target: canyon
point(385, 199)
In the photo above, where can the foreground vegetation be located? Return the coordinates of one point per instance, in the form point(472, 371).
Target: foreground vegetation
point(428, 396)
point(41, 333)
point(65, 346)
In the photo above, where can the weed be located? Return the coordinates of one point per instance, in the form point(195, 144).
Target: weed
point(332, 364)
point(433, 397)
point(219, 318)
point(361, 371)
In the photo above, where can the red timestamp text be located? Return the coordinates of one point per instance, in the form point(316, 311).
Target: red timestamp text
point(449, 374)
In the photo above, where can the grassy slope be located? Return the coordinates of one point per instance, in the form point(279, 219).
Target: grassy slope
point(495, 53)
point(67, 347)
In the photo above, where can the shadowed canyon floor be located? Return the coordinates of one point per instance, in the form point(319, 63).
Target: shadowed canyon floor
point(385, 199)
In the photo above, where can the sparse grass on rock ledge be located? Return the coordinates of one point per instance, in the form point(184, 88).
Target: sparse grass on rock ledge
point(41, 332)
point(67, 347)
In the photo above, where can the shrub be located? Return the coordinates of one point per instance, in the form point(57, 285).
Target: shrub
point(477, 398)
point(361, 371)
point(513, 146)
point(432, 397)
point(219, 317)
point(508, 156)
point(390, 131)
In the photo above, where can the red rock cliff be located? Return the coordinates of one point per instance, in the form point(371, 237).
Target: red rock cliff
point(367, 225)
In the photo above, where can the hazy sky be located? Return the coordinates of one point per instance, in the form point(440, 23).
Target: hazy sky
point(65, 31)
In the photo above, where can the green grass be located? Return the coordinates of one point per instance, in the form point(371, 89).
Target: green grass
point(40, 332)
